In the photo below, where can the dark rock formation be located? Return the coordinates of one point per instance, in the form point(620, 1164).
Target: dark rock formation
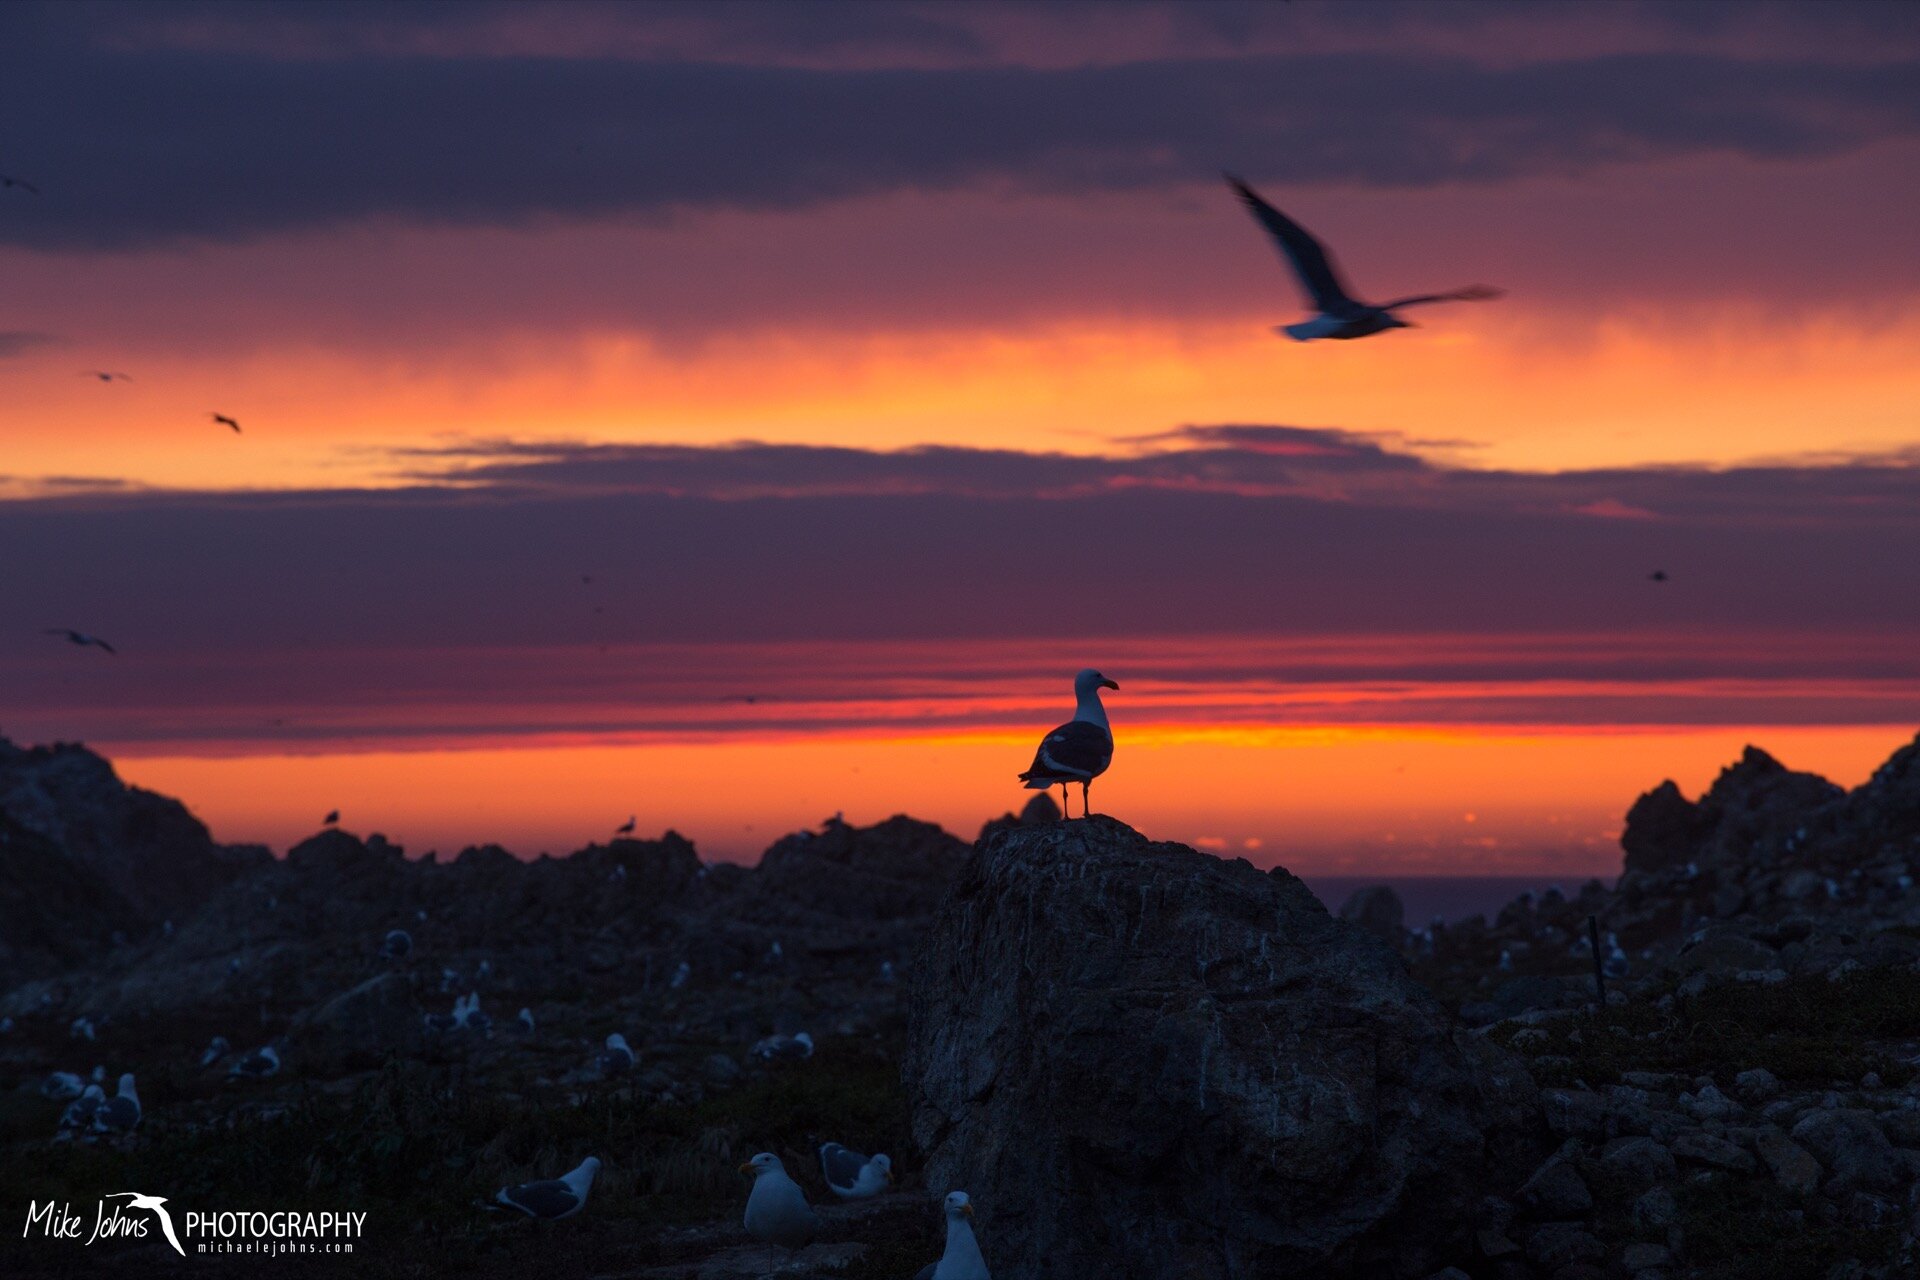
point(152, 852)
point(1145, 1062)
point(898, 868)
point(1376, 909)
point(54, 911)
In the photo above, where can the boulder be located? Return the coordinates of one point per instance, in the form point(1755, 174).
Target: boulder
point(1856, 1154)
point(377, 1017)
point(896, 868)
point(1376, 909)
point(1153, 1063)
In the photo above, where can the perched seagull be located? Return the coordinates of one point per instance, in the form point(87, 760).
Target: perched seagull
point(448, 1021)
point(1341, 314)
point(396, 945)
point(62, 1085)
point(78, 1117)
point(852, 1176)
point(797, 1048)
point(526, 1021)
point(217, 1049)
point(332, 819)
point(1079, 750)
point(681, 973)
point(79, 637)
point(120, 1113)
point(82, 1029)
point(106, 375)
point(626, 828)
point(257, 1065)
point(475, 1021)
point(616, 1058)
point(8, 182)
point(225, 421)
point(777, 1210)
point(553, 1198)
point(961, 1259)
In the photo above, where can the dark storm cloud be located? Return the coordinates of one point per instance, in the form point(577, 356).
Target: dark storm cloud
point(139, 146)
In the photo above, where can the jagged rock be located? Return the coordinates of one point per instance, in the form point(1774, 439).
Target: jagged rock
point(153, 853)
point(55, 912)
point(1792, 1167)
point(377, 1017)
point(1376, 909)
point(1715, 1153)
point(898, 868)
point(1856, 1155)
point(1556, 1244)
point(1757, 1086)
point(1662, 828)
point(1724, 954)
point(1556, 1190)
point(1098, 1027)
point(1039, 809)
point(1639, 1162)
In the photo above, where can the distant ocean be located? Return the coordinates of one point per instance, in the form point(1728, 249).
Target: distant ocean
point(1449, 897)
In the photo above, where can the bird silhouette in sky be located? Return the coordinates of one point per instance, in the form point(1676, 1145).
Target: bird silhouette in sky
point(80, 638)
point(1341, 315)
point(158, 1204)
point(332, 819)
point(1658, 575)
point(106, 375)
point(626, 828)
point(8, 181)
point(224, 420)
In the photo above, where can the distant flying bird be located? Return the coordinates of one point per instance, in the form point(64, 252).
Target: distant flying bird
point(625, 828)
point(1079, 750)
point(551, 1199)
point(224, 420)
point(7, 181)
point(852, 1176)
point(1341, 314)
point(80, 638)
point(106, 375)
point(332, 819)
point(1658, 575)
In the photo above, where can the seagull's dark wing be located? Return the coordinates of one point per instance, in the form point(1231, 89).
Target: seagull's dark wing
point(839, 1166)
point(104, 645)
point(1074, 752)
point(550, 1198)
point(1325, 290)
point(1472, 293)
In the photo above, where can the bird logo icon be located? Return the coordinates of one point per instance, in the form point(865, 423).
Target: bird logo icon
point(158, 1204)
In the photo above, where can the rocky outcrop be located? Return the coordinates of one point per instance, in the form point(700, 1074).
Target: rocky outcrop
point(54, 912)
point(1142, 1061)
point(153, 853)
point(895, 869)
point(1376, 909)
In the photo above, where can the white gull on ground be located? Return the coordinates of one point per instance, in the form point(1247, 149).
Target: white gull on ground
point(961, 1260)
point(777, 1210)
point(617, 1058)
point(258, 1065)
point(78, 1117)
point(794, 1048)
point(217, 1048)
point(62, 1085)
point(120, 1113)
point(552, 1198)
point(852, 1176)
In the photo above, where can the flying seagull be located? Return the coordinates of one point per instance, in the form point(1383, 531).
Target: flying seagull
point(224, 420)
point(1658, 575)
point(777, 1209)
point(553, 1198)
point(1341, 315)
point(961, 1259)
point(7, 181)
point(852, 1176)
point(1079, 750)
point(80, 638)
point(106, 375)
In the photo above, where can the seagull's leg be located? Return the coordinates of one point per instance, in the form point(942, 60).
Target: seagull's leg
point(1066, 810)
point(1085, 788)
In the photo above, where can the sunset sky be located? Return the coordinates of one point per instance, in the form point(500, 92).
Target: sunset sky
point(734, 413)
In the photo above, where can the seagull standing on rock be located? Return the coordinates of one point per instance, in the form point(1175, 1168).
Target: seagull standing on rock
point(1341, 315)
point(1079, 750)
point(961, 1260)
point(120, 1113)
point(777, 1209)
point(617, 1057)
point(217, 1048)
point(62, 1086)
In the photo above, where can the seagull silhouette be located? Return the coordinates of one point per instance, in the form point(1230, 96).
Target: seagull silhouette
point(224, 420)
point(1341, 315)
point(106, 375)
point(7, 180)
point(158, 1204)
point(1658, 575)
point(625, 828)
point(80, 638)
point(332, 818)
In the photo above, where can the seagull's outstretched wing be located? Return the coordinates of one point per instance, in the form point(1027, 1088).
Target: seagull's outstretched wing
point(1472, 293)
point(1325, 289)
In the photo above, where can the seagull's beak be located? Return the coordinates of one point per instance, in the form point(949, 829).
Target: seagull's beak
point(1109, 684)
point(967, 1209)
point(747, 1168)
